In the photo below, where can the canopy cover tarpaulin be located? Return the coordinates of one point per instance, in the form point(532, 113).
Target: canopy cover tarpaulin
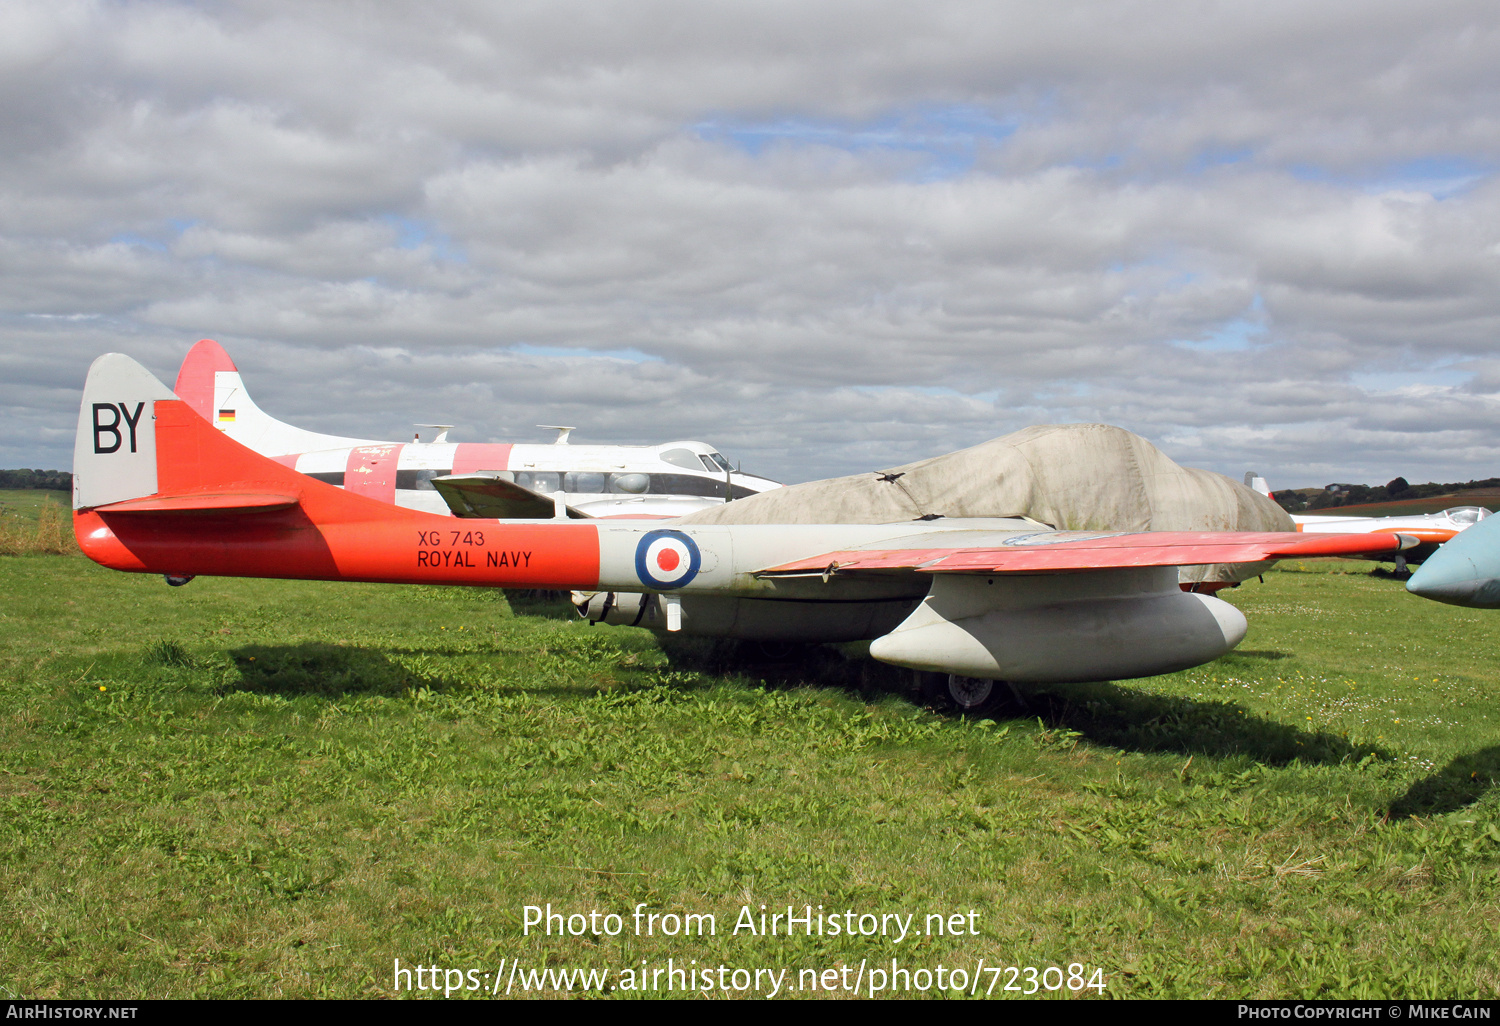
point(1074, 477)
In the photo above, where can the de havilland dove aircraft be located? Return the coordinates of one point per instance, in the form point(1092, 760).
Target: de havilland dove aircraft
point(470, 479)
point(157, 489)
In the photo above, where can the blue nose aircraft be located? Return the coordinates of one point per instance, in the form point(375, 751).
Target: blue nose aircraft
point(1465, 571)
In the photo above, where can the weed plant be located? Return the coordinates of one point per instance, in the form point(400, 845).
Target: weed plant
point(35, 523)
point(264, 789)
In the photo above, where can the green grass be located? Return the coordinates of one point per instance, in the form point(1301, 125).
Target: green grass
point(252, 788)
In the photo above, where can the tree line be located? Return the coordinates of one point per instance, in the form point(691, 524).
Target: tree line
point(52, 480)
point(1396, 490)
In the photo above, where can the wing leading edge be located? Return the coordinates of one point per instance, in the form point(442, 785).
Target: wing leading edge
point(1074, 551)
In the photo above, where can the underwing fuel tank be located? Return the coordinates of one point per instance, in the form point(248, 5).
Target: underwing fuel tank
point(1111, 625)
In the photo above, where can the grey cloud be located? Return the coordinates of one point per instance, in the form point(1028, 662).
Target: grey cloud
point(1204, 224)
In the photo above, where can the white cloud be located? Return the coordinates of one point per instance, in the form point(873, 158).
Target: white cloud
point(843, 235)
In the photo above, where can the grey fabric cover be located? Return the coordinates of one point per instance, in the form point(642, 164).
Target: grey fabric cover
point(1075, 477)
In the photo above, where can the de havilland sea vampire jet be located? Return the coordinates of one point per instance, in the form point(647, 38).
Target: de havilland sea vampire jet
point(158, 490)
point(1431, 530)
point(471, 479)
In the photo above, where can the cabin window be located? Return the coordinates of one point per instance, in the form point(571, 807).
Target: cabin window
point(588, 483)
point(418, 480)
point(630, 484)
point(540, 481)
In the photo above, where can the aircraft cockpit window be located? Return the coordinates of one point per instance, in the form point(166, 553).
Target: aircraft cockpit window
point(720, 460)
point(708, 464)
point(687, 459)
point(630, 484)
point(1466, 515)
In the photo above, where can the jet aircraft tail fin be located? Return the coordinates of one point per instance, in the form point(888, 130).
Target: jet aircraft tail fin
point(114, 452)
point(158, 490)
point(210, 383)
point(141, 449)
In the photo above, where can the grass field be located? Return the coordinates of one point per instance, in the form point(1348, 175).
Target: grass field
point(35, 522)
point(252, 788)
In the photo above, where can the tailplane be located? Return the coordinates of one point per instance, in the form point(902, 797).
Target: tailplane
point(210, 383)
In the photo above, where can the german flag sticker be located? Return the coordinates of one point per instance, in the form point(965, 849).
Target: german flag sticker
point(226, 416)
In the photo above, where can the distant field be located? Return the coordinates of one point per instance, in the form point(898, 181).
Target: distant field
point(251, 788)
point(24, 504)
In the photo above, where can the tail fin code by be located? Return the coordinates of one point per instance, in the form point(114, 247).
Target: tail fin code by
point(114, 452)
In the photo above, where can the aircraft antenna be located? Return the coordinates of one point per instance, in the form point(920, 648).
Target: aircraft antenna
point(562, 432)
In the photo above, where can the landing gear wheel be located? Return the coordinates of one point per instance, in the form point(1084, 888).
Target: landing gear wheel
point(972, 696)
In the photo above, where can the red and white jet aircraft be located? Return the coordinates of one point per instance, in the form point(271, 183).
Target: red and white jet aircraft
point(471, 479)
point(158, 490)
point(1430, 529)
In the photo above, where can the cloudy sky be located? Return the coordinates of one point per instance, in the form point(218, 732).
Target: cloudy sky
point(825, 236)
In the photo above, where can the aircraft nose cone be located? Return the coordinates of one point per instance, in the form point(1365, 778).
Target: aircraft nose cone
point(1464, 572)
point(1458, 588)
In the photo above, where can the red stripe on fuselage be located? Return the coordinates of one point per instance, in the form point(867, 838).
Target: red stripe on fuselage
point(371, 471)
point(471, 456)
point(331, 534)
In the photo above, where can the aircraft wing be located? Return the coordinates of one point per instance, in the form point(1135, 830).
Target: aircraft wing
point(486, 495)
point(1073, 551)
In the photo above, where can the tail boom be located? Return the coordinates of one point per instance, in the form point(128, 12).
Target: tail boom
point(220, 509)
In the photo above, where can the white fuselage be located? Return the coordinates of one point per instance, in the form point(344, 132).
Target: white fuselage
point(600, 480)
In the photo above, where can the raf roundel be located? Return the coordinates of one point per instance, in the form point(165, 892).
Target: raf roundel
point(666, 559)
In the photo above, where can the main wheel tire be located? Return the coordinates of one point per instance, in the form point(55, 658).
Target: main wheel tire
point(972, 696)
